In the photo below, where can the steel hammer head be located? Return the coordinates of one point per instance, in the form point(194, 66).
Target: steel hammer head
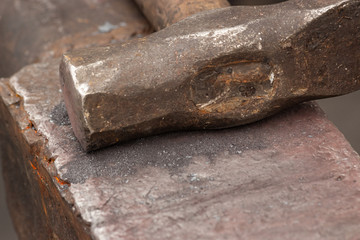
point(217, 69)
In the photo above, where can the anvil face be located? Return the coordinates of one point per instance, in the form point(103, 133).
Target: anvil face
point(216, 69)
point(290, 176)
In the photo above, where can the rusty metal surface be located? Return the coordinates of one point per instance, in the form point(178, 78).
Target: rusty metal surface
point(36, 30)
point(292, 176)
point(289, 176)
point(37, 208)
point(32, 31)
point(164, 13)
point(217, 69)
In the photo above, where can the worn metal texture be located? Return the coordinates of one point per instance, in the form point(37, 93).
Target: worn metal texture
point(163, 13)
point(217, 69)
point(37, 208)
point(39, 31)
point(292, 176)
point(36, 30)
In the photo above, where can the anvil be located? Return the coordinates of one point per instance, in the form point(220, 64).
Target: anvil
point(292, 175)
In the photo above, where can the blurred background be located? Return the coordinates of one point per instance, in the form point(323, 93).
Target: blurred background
point(342, 111)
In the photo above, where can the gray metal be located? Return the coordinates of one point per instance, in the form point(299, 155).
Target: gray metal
point(216, 69)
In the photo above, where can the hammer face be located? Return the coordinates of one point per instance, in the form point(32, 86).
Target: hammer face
point(217, 69)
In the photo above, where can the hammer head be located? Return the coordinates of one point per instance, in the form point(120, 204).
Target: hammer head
point(217, 69)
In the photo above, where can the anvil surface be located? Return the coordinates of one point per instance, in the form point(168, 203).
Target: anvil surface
point(292, 176)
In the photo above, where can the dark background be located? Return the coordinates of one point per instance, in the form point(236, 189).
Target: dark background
point(341, 110)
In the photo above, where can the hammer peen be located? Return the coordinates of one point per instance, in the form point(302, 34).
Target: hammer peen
point(216, 69)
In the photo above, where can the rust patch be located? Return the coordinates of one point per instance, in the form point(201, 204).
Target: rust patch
point(32, 165)
point(31, 125)
point(230, 84)
point(62, 182)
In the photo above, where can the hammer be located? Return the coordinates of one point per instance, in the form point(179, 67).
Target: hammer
point(216, 69)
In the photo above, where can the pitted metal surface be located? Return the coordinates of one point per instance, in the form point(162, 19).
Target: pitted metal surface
point(289, 176)
point(263, 180)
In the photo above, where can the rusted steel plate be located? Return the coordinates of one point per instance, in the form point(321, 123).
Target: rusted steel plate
point(217, 69)
point(292, 176)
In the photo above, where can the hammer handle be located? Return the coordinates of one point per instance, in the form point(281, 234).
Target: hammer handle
point(163, 13)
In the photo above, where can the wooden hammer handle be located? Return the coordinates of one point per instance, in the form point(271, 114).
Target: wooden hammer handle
point(163, 13)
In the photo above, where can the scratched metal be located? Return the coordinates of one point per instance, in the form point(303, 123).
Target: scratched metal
point(217, 69)
point(40, 31)
point(292, 176)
